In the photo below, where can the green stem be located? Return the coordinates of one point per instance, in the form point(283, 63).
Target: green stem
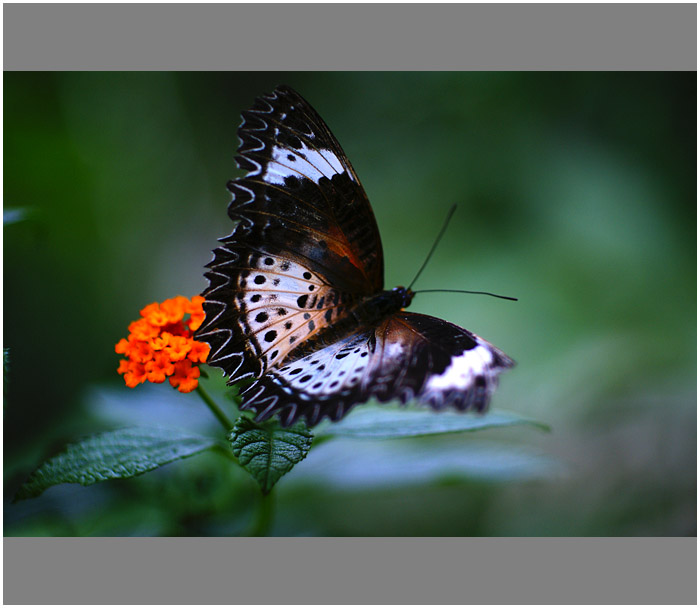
point(263, 520)
point(216, 410)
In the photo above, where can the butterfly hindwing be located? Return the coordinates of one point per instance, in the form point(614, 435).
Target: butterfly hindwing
point(327, 382)
point(454, 367)
point(409, 357)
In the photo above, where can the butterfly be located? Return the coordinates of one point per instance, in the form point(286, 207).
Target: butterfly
point(296, 309)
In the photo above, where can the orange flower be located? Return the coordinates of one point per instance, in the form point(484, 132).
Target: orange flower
point(149, 309)
point(185, 376)
point(161, 345)
point(135, 375)
point(141, 351)
point(122, 347)
point(175, 308)
point(199, 351)
point(157, 318)
point(159, 368)
point(142, 329)
point(177, 329)
point(196, 313)
point(177, 348)
point(161, 341)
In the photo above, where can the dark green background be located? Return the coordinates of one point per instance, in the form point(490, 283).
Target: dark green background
point(576, 193)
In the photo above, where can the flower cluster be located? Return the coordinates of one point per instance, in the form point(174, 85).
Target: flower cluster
point(160, 345)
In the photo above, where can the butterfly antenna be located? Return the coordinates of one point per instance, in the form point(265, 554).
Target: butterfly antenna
point(482, 293)
point(435, 244)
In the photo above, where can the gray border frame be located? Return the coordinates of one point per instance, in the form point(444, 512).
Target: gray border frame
point(343, 571)
point(350, 37)
point(350, 571)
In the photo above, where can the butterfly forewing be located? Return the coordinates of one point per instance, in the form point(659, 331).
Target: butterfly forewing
point(306, 195)
point(305, 245)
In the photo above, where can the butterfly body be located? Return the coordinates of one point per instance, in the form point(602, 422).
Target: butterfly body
point(296, 302)
point(374, 309)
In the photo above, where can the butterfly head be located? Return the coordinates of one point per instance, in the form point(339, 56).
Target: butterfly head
point(403, 295)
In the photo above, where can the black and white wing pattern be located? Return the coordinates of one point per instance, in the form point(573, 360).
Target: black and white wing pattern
point(408, 357)
point(305, 246)
point(295, 303)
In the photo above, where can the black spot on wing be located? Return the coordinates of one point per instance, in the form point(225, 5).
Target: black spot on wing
point(400, 357)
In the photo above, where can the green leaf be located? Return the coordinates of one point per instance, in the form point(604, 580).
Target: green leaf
point(268, 451)
point(114, 455)
point(346, 465)
point(385, 422)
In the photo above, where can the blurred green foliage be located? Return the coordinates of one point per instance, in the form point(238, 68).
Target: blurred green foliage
point(576, 193)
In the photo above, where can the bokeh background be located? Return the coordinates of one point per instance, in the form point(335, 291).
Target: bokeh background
point(576, 193)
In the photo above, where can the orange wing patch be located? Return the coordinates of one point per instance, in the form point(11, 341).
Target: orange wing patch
point(283, 304)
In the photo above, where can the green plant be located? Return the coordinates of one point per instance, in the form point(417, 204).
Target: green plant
point(158, 347)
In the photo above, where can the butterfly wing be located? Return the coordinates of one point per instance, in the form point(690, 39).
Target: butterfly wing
point(305, 245)
point(302, 194)
point(408, 357)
